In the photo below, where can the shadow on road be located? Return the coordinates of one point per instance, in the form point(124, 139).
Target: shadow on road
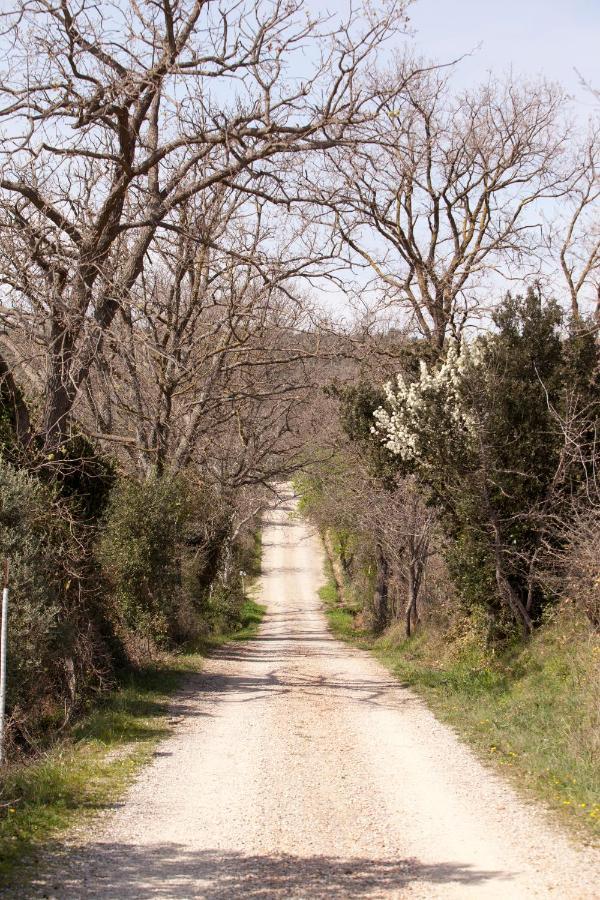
point(247, 687)
point(169, 870)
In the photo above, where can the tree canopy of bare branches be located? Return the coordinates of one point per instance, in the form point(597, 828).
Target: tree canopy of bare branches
point(443, 189)
point(115, 114)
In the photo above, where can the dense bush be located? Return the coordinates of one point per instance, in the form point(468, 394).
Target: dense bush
point(103, 570)
point(32, 538)
point(140, 552)
point(170, 562)
point(56, 652)
point(213, 559)
point(496, 438)
point(82, 476)
point(501, 435)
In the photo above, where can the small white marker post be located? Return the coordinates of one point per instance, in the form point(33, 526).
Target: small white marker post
point(3, 643)
point(242, 575)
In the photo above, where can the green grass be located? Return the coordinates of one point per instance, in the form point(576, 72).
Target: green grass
point(531, 711)
point(257, 552)
point(90, 768)
point(341, 617)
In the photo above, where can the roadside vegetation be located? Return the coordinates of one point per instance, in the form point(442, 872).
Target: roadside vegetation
point(529, 709)
point(90, 765)
point(106, 572)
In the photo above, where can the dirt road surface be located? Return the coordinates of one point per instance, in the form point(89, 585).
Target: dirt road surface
point(300, 768)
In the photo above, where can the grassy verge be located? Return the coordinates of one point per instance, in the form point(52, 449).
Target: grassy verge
point(340, 615)
point(531, 711)
point(90, 767)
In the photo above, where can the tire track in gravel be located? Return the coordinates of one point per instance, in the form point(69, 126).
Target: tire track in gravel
point(301, 769)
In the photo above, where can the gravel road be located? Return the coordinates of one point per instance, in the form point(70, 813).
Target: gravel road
point(299, 768)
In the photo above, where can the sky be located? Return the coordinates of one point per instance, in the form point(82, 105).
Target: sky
point(552, 38)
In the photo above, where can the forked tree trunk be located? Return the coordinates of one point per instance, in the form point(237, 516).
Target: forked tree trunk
point(507, 592)
point(418, 550)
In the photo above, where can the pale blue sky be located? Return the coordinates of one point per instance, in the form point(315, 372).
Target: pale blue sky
point(547, 38)
point(535, 37)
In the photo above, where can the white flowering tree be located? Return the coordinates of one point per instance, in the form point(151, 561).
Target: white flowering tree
point(502, 434)
point(430, 417)
point(444, 427)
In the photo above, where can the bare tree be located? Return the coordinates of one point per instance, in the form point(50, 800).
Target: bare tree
point(381, 527)
point(210, 363)
point(443, 190)
point(577, 226)
point(116, 113)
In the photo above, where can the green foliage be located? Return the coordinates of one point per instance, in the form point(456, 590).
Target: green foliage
point(471, 567)
point(341, 618)
point(357, 407)
point(309, 488)
point(225, 607)
point(7, 434)
point(210, 565)
point(171, 567)
point(485, 434)
point(90, 594)
point(531, 381)
point(43, 642)
point(524, 376)
point(140, 552)
point(222, 606)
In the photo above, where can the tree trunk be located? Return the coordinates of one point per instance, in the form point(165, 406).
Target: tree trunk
point(507, 591)
point(60, 387)
point(418, 554)
point(57, 412)
point(411, 602)
point(380, 597)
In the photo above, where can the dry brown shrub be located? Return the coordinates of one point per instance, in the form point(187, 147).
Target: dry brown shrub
point(580, 565)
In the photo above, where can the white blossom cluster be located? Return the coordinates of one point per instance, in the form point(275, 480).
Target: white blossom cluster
point(421, 411)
